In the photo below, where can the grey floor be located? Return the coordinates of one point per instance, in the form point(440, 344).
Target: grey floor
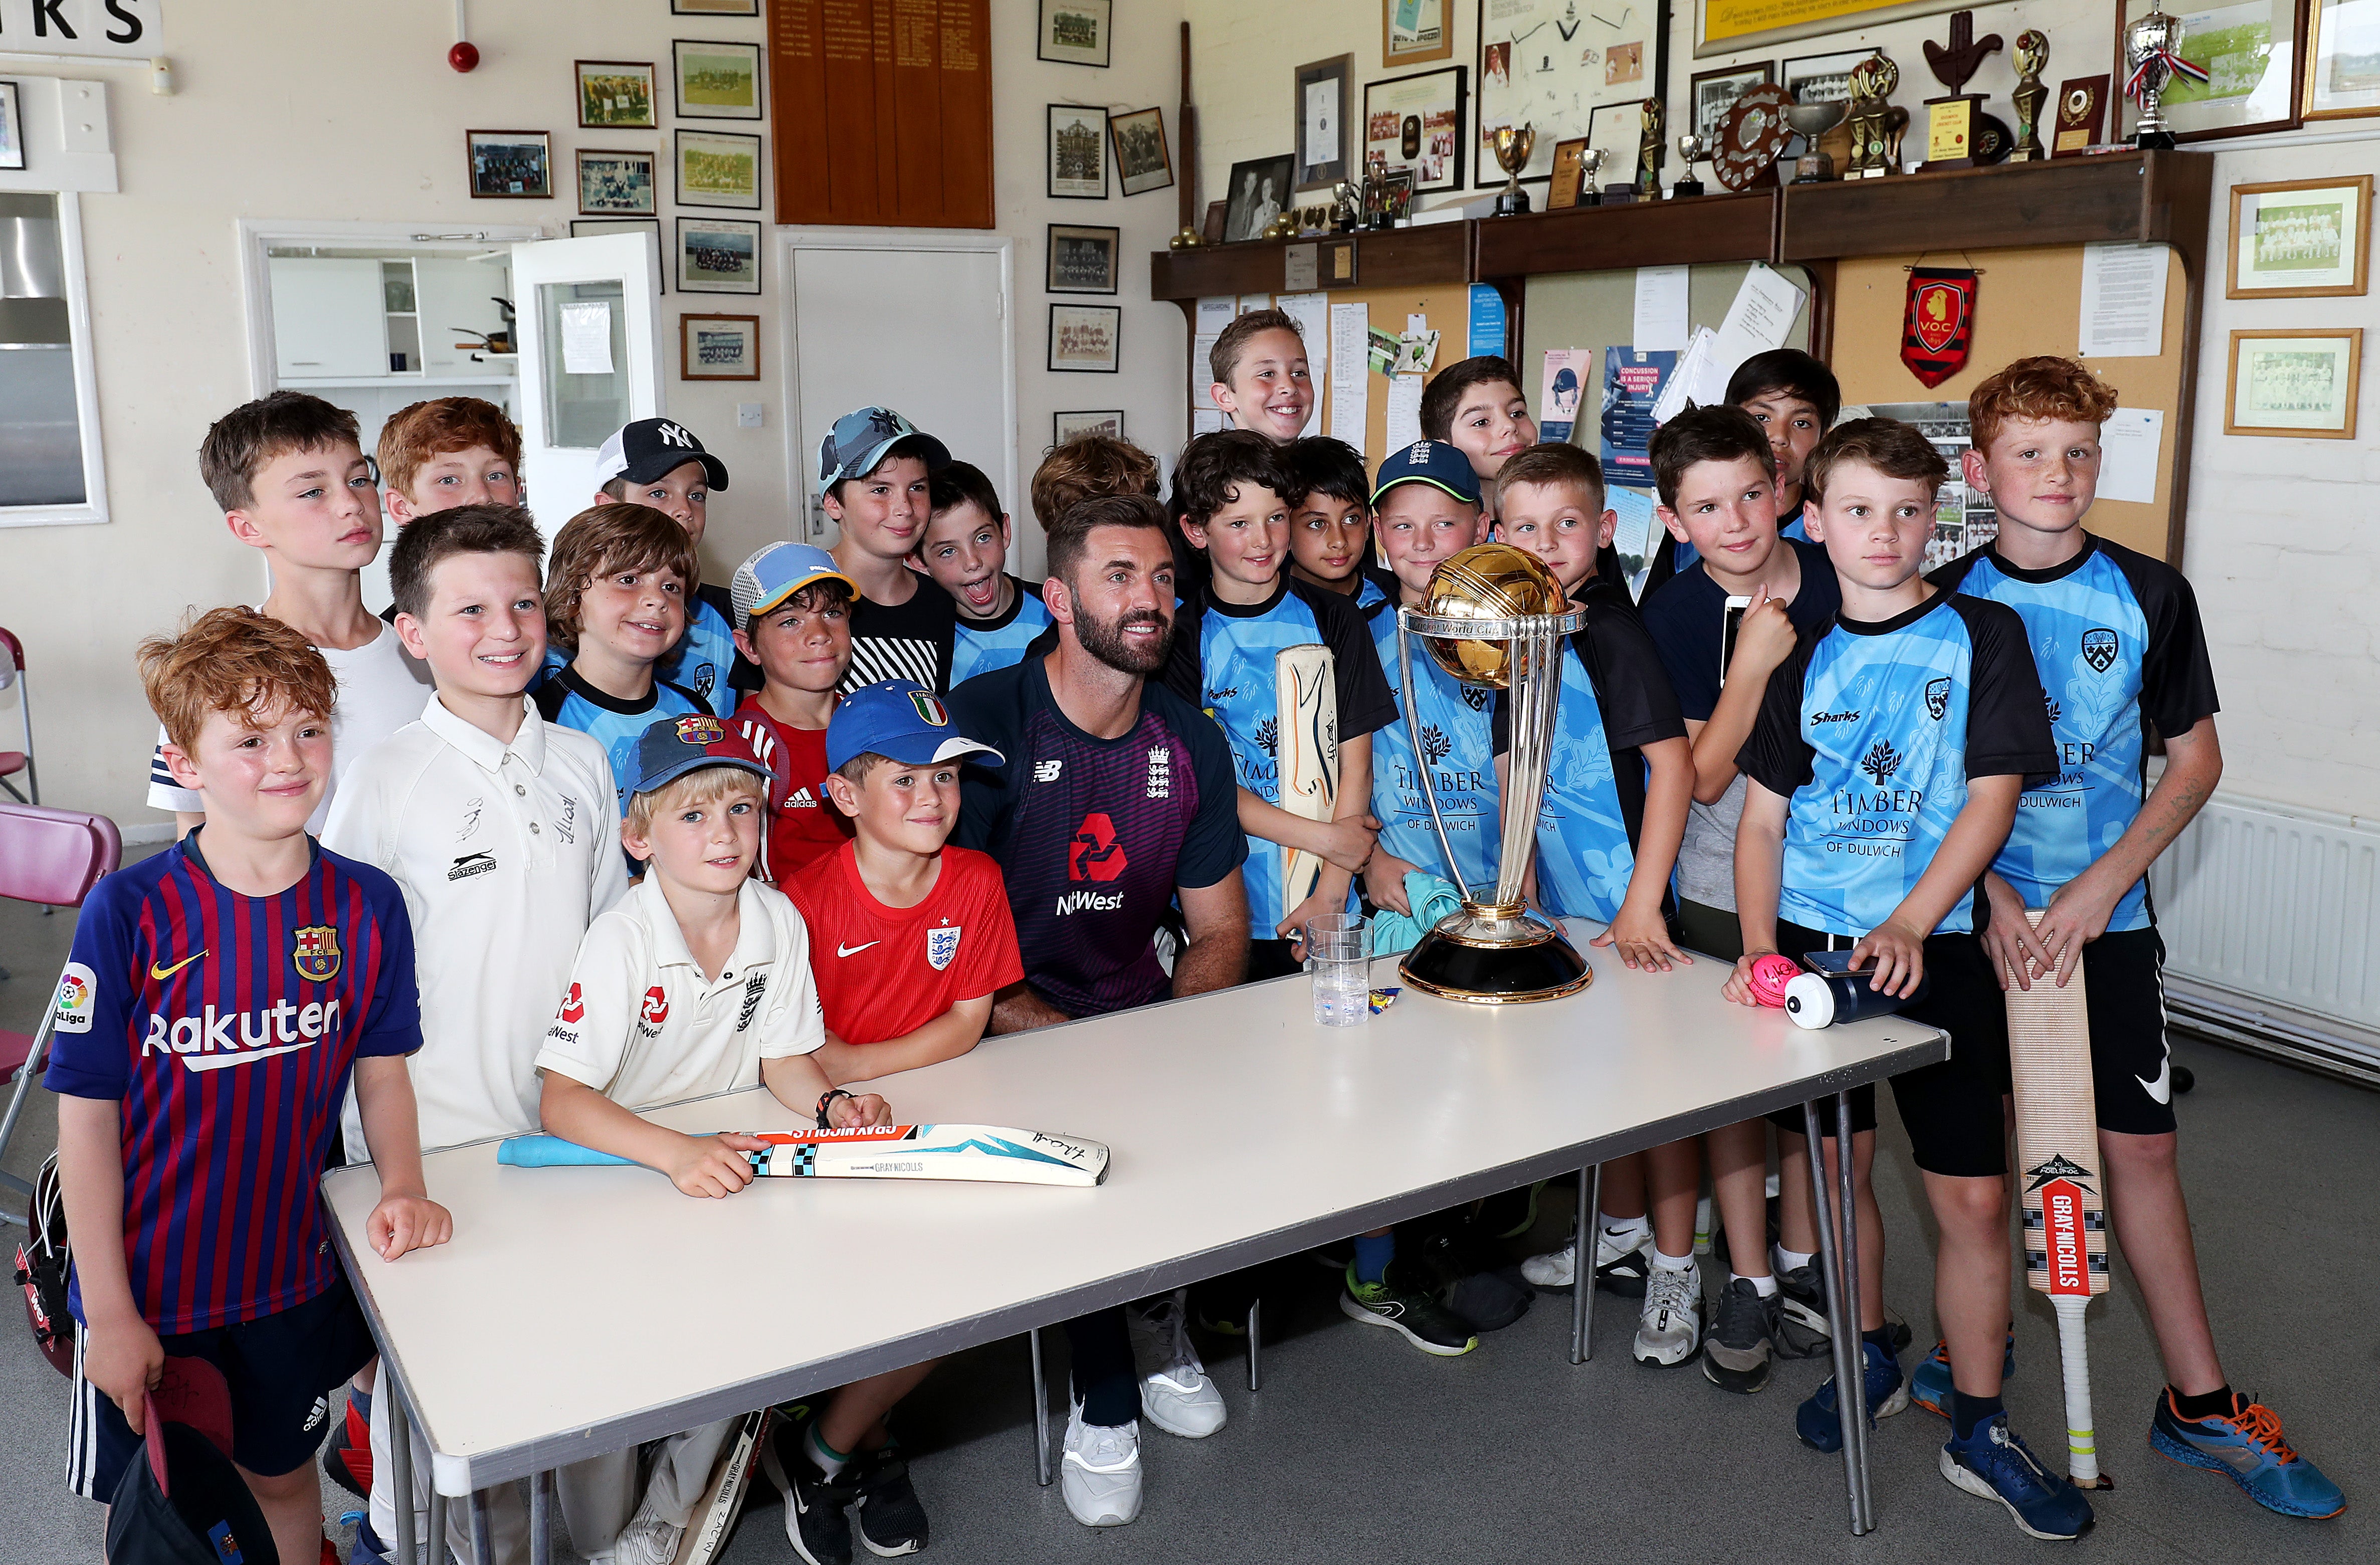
point(1359, 1448)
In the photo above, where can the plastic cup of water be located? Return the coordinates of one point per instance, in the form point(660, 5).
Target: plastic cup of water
point(1337, 953)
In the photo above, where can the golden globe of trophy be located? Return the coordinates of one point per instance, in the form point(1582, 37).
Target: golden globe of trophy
point(1513, 145)
point(1494, 619)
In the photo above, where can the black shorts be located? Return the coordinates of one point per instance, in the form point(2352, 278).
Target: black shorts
point(1955, 1111)
point(280, 1368)
point(1794, 940)
point(2132, 1078)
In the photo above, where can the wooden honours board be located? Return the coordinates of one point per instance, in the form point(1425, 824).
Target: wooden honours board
point(882, 112)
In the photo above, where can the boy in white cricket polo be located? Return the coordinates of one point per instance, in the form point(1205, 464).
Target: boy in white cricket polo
point(699, 982)
point(503, 831)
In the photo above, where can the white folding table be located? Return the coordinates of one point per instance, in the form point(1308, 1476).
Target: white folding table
point(583, 1310)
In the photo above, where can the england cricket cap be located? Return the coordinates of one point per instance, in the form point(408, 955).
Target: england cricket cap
point(1432, 462)
point(181, 1501)
point(859, 441)
point(671, 746)
point(775, 573)
point(902, 721)
point(653, 448)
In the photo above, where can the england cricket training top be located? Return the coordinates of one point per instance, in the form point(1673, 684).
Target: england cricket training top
point(1870, 731)
point(912, 640)
point(885, 971)
point(803, 822)
point(1454, 732)
point(2117, 637)
point(568, 701)
point(1093, 835)
point(1615, 700)
point(1236, 645)
point(228, 1025)
point(985, 645)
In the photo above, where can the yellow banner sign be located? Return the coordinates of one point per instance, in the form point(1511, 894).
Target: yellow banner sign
point(1735, 23)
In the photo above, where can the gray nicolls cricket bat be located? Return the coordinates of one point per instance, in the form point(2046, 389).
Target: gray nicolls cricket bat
point(991, 1154)
point(1305, 696)
point(2064, 1195)
point(723, 1497)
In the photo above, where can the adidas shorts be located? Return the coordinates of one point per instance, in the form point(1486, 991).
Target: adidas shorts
point(281, 1369)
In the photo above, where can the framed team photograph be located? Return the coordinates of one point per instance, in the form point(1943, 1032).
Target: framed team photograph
point(1083, 337)
point(2343, 69)
point(1259, 189)
point(12, 128)
point(2294, 383)
point(1416, 123)
point(611, 181)
point(717, 80)
point(1065, 427)
point(1075, 32)
point(1713, 93)
point(714, 7)
point(1078, 153)
point(510, 165)
point(718, 169)
point(1083, 261)
point(717, 256)
point(615, 95)
point(2302, 238)
point(1143, 161)
point(586, 228)
point(1320, 113)
point(719, 348)
point(1413, 33)
point(1820, 79)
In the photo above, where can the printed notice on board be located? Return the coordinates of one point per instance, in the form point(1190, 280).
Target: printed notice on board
point(1350, 390)
point(1311, 313)
point(2123, 301)
point(586, 337)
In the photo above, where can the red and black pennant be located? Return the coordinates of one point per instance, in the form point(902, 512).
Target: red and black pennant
point(1938, 323)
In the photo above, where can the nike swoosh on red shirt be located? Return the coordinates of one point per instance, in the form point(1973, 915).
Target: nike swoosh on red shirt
point(842, 950)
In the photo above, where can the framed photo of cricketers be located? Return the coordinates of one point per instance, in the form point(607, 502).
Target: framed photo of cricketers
point(1078, 153)
point(1083, 261)
point(718, 169)
point(716, 80)
point(2247, 60)
point(716, 256)
point(1143, 161)
point(719, 348)
point(616, 182)
point(1075, 32)
point(1065, 427)
point(2294, 383)
point(2300, 238)
point(510, 165)
point(615, 95)
point(1083, 337)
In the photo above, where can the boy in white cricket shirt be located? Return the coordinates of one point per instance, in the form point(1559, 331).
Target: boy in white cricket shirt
point(697, 983)
point(503, 831)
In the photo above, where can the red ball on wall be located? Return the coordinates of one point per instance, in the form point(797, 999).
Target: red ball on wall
point(463, 56)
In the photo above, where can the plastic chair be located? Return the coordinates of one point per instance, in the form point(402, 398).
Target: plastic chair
point(12, 672)
point(55, 857)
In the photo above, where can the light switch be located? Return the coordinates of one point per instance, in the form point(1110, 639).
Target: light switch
point(747, 415)
point(82, 113)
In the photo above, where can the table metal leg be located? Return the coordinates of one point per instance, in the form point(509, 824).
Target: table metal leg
point(1040, 1413)
point(1255, 1342)
point(1582, 1271)
point(400, 1469)
point(483, 1546)
point(1850, 1378)
point(1863, 1500)
point(437, 1540)
point(541, 1519)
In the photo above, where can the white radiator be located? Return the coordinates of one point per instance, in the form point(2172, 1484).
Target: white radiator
point(2271, 919)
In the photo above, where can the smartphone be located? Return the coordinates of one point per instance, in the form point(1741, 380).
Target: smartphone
point(1735, 607)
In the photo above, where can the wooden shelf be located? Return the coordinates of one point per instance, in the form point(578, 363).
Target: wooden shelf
point(2136, 197)
point(1434, 254)
point(1692, 230)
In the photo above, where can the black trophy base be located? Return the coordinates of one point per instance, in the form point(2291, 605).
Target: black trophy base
point(1513, 203)
point(1687, 188)
point(2154, 141)
point(1496, 974)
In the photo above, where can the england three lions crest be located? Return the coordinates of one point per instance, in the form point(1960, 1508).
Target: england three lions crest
point(314, 952)
point(941, 945)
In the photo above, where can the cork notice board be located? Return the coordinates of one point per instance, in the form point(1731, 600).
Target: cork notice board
point(2027, 301)
point(1447, 311)
point(881, 111)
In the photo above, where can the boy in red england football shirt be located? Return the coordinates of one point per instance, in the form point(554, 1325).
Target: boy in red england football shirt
point(909, 942)
point(792, 618)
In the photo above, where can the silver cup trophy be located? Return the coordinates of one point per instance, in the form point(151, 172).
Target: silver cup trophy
point(2151, 44)
point(1493, 619)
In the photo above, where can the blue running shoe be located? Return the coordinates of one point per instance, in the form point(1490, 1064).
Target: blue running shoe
point(1820, 1422)
point(1930, 1387)
point(1995, 1464)
point(2247, 1447)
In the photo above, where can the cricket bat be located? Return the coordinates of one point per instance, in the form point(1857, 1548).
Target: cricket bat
point(986, 1154)
point(723, 1497)
point(1306, 705)
point(2064, 1199)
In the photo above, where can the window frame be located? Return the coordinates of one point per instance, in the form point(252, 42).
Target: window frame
point(93, 508)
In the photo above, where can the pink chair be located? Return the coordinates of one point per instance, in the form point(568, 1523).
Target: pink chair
point(55, 857)
point(12, 672)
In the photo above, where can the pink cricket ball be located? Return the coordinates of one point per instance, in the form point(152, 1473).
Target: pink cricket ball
point(1770, 973)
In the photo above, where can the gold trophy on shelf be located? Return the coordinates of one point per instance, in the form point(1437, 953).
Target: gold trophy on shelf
point(1512, 146)
point(2031, 59)
point(1494, 618)
point(1877, 125)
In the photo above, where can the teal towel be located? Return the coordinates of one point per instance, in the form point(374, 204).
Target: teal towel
point(1431, 899)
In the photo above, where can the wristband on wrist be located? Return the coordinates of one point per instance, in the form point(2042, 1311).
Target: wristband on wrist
point(826, 1102)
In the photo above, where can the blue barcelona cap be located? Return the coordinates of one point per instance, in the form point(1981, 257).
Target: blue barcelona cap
point(671, 746)
point(902, 721)
point(1433, 462)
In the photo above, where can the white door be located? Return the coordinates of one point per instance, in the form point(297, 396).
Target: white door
point(591, 359)
point(922, 332)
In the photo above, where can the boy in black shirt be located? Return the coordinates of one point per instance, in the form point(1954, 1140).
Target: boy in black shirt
point(874, 480)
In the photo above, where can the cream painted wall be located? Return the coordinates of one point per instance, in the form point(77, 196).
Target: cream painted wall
point(305, 111)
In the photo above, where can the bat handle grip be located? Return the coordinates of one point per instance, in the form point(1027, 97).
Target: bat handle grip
point(2081, 1441)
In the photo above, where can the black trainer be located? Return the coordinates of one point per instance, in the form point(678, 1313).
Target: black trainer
point(815, 1521)
point(1803, 1330)
point(1737, 1351)
point(892, 1521)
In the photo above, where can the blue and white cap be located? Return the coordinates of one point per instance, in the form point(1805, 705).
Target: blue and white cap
point(902, 721)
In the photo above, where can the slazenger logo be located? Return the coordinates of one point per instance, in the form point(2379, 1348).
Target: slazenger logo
point(205, 1042)
point(1088, 902)
point(1817, 718)
point(470, 864)
point(78, 990)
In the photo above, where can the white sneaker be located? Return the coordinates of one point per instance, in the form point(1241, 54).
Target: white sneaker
point(1669, 1330)
point(1100, 1471)
point(1558, 1269)
point(647, 1539)
point(1175, 1393)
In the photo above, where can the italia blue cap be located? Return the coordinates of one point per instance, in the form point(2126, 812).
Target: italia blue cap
point(902, 721)
point(1433, 462)
point(860, 439)
point(671, 746)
